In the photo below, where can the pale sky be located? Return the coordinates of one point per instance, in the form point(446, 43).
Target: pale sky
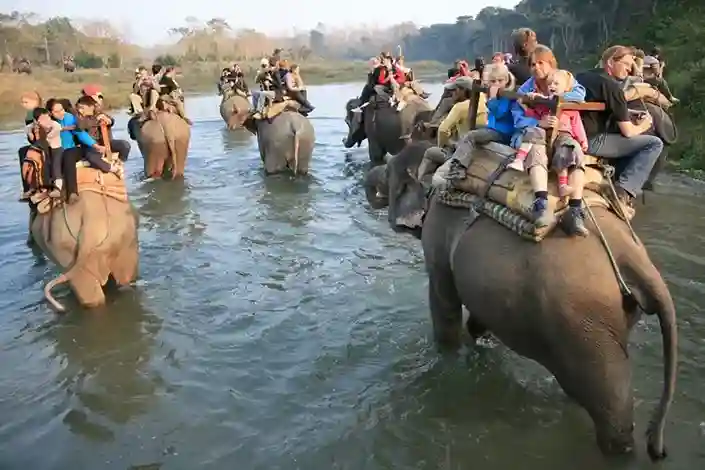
point(149, 20)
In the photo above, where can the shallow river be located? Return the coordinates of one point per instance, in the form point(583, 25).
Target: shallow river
point(280, 324)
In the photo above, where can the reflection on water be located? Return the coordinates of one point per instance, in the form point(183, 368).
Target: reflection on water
point(280, 324)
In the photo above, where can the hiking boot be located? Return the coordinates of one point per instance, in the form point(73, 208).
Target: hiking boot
point(573, 222)
point(543, 217)
point(456, 172)
point(517, 165)
point(624, 200)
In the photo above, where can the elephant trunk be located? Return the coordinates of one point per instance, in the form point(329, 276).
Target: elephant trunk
point(62, 278)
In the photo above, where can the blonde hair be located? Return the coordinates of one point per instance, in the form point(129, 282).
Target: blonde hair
point(32, 96)
point(566, 76)
point(499, 71)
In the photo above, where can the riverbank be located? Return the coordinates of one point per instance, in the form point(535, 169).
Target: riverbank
point(197, 78)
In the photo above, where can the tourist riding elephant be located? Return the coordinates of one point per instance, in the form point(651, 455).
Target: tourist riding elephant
point(665, 128)
point(382, 125)
point(557, 302)
point(234, 110)
point(91, 240)
point(164, 141)
point(285, 141)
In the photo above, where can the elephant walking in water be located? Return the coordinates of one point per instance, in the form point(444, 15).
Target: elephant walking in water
point(557, 302)
point(234, 110)
point(91, 240)
point(382, 125)
point(164, 141)
point(285, 141)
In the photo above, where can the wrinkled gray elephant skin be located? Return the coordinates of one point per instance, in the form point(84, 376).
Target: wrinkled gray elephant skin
point(382, 127)
point(556, 302)
point(286, 142)
point(396, 186)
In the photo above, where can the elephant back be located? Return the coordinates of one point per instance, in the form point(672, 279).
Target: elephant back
point(509, 198)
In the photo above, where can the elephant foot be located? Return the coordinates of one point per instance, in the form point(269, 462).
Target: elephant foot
point(475, 329)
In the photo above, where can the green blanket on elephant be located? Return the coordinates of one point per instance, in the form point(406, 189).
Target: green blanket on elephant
point(510, 197)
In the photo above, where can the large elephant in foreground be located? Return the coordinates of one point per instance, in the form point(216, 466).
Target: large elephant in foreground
point(91, 240)
point(164, 141)
point(285, 141)
point(234, 110)
point(382, 125)
point(557, 302)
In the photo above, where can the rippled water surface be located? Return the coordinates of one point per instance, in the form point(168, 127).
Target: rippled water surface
point(279, 324)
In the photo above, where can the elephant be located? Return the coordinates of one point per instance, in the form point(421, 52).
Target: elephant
point(90, 240)
point(574, 318)
point(382, 125)
point(284, 141)
point(22, 66)
point(234, 110)
point(69, 66)
point(163, 140)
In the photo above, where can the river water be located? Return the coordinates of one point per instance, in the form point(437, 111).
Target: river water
point(280, 324)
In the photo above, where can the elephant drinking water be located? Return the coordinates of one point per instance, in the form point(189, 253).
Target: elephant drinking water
point(382, 125)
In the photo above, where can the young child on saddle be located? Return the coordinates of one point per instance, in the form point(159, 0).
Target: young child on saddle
point(500, 126)
point(62, 112)
point(45, 135)
point(568, 147)
point(90, 136)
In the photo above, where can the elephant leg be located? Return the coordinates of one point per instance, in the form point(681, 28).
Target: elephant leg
point(376, 152)
point(124, 265)
point(597, 375)
point(446, 308)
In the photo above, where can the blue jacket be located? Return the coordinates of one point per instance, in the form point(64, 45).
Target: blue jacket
point(499, 116)
point(68, 140)
point(577, 93)
point(522, 121)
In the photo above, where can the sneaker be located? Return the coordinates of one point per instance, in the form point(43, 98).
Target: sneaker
point(24, 196)
point(55, 193)
point(456, 172)
point(517, 165)
point(573, 222)
point(257, 115)
point(625, 200)
point(541, 213)
point(356, 110)
point(565, 190)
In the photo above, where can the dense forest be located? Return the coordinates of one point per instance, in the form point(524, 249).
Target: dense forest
point(577, 30)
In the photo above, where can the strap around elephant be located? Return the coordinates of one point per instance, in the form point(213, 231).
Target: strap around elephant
point(476, 206)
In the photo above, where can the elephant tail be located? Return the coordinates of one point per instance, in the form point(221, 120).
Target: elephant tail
point(60, 279)
point(296, 152)
point(296, 130)
point(170, 141)
point(654, 297)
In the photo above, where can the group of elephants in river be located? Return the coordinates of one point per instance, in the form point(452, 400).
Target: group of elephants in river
point(557, 302)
